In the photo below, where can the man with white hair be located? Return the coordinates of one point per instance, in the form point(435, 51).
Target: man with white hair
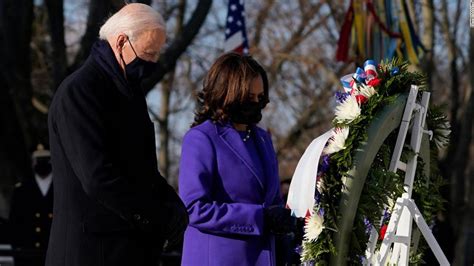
point(111, 205)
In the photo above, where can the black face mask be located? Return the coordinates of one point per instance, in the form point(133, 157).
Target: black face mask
point(138, 69)
point(247, 112)
point(43, 167)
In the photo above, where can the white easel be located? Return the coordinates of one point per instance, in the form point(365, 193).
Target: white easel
point(399, 228)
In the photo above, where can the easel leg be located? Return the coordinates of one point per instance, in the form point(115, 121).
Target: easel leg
point(427, 234)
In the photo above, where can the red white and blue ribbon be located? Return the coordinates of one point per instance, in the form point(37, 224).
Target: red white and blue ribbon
point(359, 75)
point(349, 82)
point(370, 69)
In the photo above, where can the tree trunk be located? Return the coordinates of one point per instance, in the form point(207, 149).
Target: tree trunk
point(15, 35)
point(469, 221)
point(164, 133)
point(56, 29)
point(167, 87)
point(455, 166)
point(451, 167)
point(16, 132)
point(260, 22)
point(465, 243)
point(428, 39)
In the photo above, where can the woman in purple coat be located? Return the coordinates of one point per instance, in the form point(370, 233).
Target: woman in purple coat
point(228, 172)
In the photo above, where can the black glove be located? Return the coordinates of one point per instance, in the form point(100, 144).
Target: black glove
point(299, 232)
point(176, 222)
point(173, 215)
point(279, 220)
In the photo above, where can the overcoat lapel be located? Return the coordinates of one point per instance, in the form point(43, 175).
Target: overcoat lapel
point(232, 139)
point(268, 162)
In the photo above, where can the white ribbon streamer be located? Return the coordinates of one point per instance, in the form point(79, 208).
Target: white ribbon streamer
point(303, 183)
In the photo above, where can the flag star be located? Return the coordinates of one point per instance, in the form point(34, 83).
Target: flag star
point(235, 22)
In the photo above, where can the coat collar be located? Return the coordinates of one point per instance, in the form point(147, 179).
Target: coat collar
point(104, 56)
point(234, 142)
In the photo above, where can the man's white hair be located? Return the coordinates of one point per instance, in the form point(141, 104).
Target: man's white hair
point(132, 20)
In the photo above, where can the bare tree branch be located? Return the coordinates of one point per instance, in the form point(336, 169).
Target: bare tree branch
point(260, 21)
point(180, 43)
point(98, 13)
point(428, 38)
point(337, 12)
point(166, 89)
point(302, 32)
point(314, 109)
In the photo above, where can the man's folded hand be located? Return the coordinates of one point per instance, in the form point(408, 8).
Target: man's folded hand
point(176, 222)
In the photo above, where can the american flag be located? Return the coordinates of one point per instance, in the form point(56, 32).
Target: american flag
point(235, 34)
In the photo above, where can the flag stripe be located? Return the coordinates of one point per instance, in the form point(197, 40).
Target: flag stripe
point(235, 33)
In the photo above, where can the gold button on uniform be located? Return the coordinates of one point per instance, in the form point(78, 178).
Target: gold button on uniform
point(50, 215)
point(38, 229)
point(37, 244)
point(38, 215)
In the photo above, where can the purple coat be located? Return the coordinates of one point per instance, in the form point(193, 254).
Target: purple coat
point(225, 194)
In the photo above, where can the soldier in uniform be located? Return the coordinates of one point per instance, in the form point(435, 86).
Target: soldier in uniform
point(31, 212)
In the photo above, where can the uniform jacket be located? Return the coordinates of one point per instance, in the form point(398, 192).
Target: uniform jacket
point(30, 219)
point(108, 193)
point(225, 194)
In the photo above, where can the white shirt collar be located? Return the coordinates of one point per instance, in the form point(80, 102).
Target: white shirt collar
point(44, 183)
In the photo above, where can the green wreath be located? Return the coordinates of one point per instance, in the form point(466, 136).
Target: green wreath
point(357, 159)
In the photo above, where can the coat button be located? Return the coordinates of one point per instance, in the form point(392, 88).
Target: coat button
point(38, 229)
point(37, 244)
point(37, 215)
point(137, 217)
point(50, 215)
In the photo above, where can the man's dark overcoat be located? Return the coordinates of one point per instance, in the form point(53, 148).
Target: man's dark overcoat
point(109, 198)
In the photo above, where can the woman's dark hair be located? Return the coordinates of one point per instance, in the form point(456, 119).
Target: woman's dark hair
point(228, 83)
